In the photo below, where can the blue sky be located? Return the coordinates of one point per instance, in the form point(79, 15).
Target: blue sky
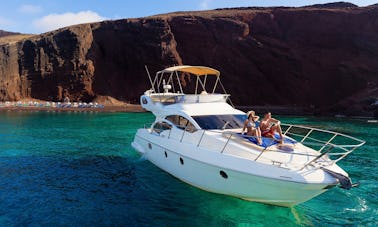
point(39, 16)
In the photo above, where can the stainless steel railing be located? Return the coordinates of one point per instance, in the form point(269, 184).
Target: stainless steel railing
point(323, 139)
point(325, 142)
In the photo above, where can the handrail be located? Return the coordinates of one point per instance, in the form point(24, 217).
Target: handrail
point(317, 158)
point(173, 98)
point(199, 142)
point(271, 143)
point(327, 131)
point(287, 130)
point(183, 133)
point(228, 140)
point(324, 144)
point(306, 138)
point(329, 141)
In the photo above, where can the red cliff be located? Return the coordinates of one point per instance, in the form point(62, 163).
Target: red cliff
point(317, 57)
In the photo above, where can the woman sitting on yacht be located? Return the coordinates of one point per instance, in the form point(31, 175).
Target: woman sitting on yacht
point(251, 124)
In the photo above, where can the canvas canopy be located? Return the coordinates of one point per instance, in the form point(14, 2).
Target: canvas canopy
point(195, 70)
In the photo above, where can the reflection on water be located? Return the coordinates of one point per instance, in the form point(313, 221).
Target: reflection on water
point(79, 169)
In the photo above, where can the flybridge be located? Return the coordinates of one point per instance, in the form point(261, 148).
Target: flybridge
point(167, 86)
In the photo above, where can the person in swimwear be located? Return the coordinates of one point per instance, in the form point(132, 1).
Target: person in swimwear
point(269, 126)
point(251, 124)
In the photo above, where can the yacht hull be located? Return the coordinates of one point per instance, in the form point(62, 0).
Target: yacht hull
point(227, 181)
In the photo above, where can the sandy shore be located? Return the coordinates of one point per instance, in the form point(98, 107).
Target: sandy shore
point(99, 104)
point(110, 109)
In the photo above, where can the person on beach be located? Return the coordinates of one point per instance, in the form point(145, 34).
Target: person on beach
point(251, 124)
point(269, 126)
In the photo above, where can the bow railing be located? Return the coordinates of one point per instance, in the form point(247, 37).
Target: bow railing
point(326, 143)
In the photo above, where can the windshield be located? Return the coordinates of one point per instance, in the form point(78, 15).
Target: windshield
point(220, 121)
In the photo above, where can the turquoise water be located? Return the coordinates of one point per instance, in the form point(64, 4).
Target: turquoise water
point(79, 169)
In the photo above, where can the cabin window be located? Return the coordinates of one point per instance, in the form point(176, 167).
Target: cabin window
point(229, 121)
point(181, 123)
point(161, 126)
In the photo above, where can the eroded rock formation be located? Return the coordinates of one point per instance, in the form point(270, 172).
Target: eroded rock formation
point(323, 58)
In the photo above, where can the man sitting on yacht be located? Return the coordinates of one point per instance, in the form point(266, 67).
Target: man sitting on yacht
point(251, 124)
point(269, 126)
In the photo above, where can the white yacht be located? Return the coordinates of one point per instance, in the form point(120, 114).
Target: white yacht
point(197, 138)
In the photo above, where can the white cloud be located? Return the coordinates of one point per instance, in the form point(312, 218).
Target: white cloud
point(30, 9)
point(55, 21)
point(204, 4)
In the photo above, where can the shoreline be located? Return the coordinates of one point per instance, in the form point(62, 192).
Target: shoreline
point(136, 108)
point(130, 108)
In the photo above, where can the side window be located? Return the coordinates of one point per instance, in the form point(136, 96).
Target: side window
point(173, 118)
point(190, 127)
point(181, 123)
point(161, 126)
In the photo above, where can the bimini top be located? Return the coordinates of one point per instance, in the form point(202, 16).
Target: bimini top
point(196, 70)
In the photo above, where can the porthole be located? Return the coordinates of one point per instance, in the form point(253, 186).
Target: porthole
point(149, 146)
point(223, 174)
point(182, 161)
point(165, 153)
point(144, 100)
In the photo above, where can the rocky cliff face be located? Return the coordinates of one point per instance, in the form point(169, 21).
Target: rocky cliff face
point(87, 60)
point(6, 33)
point(321, 57)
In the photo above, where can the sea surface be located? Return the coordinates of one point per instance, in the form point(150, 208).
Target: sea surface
point(75, 169)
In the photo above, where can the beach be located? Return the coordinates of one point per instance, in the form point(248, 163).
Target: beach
point(100, 104)
point(105, 108)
